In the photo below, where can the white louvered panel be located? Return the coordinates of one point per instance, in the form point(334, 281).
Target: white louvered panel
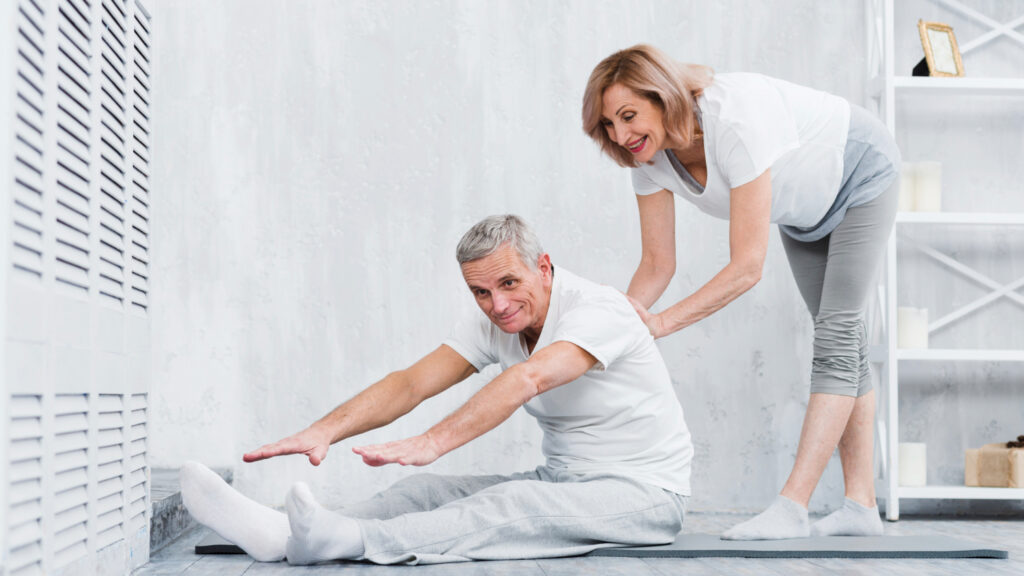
point(109, 477)
point(24, 517)
point(27, 253)
point(26, 560)
point(70, 477)
point(73, 145)
point(137, 474)
point(113, 167)
point(139, 157)
point(110, 518)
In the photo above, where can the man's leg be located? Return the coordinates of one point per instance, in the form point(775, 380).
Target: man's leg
point(259, 530)
point(511, 520)
point(320, 534)
point(422, 492)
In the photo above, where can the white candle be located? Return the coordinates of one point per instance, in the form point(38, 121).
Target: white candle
point(907, 187)
point(913, 464)
point(913, 327)
point(928, 186)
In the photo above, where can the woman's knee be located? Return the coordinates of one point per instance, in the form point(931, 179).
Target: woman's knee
point(839, 354)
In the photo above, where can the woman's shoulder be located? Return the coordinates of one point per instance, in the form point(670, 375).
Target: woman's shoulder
point(732, 91)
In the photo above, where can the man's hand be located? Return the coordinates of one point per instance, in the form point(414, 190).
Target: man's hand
point(312, 442)
point(653, 321)
point(416, 451)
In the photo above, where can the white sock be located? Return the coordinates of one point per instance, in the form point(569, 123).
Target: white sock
point(853, 519)
point(259, 530)
point(317, 533)
point(783, 519)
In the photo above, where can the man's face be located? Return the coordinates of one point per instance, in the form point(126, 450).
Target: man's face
point(513, 295)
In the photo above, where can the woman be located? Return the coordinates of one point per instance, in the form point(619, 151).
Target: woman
point(756, 150)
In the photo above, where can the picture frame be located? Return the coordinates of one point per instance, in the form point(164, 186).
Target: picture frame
point(940, 49)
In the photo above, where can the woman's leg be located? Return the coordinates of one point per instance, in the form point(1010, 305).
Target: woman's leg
point(841, 409)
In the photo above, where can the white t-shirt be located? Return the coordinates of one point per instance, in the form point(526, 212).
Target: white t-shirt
point(751, 123)
point(620, 417)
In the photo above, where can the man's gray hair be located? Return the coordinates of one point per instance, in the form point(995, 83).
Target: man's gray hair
point(489, 234)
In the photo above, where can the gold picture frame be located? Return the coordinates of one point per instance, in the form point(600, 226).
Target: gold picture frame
point(940, 49)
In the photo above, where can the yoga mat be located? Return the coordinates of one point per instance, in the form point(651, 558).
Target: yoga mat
point(710, 545)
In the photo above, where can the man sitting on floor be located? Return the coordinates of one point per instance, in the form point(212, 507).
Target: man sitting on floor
point(574, 354)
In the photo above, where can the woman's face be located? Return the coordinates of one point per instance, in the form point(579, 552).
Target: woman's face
point(633, 122)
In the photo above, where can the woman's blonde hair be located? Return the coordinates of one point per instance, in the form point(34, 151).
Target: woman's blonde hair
point(671, 86)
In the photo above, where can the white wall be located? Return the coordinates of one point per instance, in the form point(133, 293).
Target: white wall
point(317, 162)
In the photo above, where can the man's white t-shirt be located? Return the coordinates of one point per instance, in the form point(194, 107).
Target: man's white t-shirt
point(622, 416)
point(752, 123)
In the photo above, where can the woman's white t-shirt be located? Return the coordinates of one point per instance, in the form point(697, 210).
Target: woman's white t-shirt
point(752, 123)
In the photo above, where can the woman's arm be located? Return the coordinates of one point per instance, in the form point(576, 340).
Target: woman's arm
point(749, 220)
point(658, 238)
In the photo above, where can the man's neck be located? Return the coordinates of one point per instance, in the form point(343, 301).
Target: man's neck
point(532, 334)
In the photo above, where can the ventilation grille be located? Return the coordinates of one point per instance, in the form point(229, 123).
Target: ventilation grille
point(25, 502)
point(71, 477)
point(80, 214)
point(27, 254)
point(73, 194)
point(109, 425)
point(139, 205)
point(138, 510)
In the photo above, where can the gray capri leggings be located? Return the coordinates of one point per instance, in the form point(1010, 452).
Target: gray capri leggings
point(836, 273)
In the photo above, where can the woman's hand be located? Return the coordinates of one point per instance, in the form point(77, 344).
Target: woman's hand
point(416, 451)
point(312, 442)
point(655, 323)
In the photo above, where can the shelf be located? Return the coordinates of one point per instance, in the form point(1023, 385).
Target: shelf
point(996, 218)
point(938, 354)
point(960, 492)
point(974, 86)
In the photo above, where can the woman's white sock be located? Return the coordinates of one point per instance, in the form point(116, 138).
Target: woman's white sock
point(259, 530)
point(853, 519)
point(783, 519)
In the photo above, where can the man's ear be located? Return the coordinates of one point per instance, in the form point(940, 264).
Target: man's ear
point(544, 265)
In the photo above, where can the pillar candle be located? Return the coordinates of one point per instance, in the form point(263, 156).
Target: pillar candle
point(907, 187)
point(928, 186)
point(913, 327)
point(913, 464)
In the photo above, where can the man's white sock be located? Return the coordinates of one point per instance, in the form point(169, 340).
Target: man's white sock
point(317, 533)
point(853, 519)
point(259, 530)
point(783, 519)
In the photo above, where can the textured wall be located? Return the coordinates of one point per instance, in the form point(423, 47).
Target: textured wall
point(316, 163)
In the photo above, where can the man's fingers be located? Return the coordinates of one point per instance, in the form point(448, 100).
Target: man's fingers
point(286, 446)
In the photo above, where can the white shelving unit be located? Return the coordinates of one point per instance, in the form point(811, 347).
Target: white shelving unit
point(887, 87)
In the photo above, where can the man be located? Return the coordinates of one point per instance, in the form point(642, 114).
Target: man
point(574, 354)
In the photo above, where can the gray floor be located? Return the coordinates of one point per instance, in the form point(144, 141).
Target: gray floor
point(1008, 534)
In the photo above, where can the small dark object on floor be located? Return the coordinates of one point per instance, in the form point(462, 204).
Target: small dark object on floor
point(214, 544)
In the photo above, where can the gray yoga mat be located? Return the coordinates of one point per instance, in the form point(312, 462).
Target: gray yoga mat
point(710, 545)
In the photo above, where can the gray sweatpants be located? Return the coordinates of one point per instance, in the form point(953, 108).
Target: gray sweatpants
point(837, 273)
point(430, 519)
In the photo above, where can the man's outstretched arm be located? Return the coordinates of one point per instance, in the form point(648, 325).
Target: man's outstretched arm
point(380, 404)
point(549, 367)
